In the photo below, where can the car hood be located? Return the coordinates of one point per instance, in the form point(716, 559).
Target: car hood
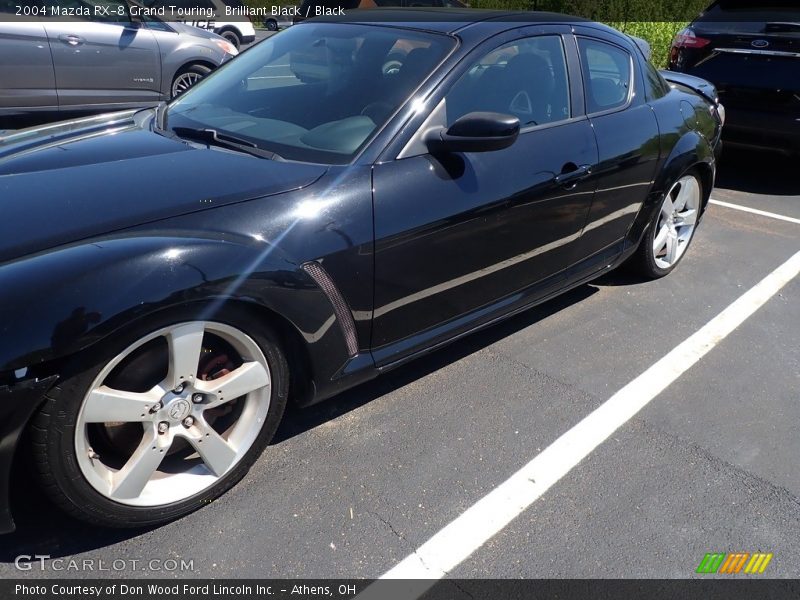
point(184, 29)
point(76, 180)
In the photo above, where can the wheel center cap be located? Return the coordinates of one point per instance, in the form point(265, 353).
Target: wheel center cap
point(179, 409)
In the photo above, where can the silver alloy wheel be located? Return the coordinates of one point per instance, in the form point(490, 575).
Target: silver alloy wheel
point(184, 81)
point(172, 414)
point(676, 222)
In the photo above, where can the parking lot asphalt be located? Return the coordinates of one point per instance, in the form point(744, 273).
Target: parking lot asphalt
point(350, 487)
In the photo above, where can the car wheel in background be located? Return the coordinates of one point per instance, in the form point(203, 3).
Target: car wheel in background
point(271, 24)
point(232, 37)
point(672, 229)
point(161, 418)
point(187, 78)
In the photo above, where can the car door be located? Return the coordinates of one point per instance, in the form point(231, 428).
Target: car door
point(628, 140)
point(107, 61)
point(26, 67)
point(457, 234)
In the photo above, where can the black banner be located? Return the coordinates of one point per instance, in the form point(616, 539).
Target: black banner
point(448, 589)
point(193, 11)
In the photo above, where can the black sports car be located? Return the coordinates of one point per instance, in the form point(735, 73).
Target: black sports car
point(171, 277)
point(750, 49)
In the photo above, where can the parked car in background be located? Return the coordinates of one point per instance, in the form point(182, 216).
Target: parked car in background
point(234, 27)
point(284, 19)
point(750, 49)
point(92, 66)
point(156, 323)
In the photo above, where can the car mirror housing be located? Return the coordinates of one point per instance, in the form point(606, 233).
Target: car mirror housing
point(474, 132)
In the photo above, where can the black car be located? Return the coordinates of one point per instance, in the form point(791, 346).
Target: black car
point(172, 277)
point(750, 49)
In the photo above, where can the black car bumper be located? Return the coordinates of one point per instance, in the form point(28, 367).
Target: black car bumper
point(17, 404)
point(248, 39)
point(762, 129)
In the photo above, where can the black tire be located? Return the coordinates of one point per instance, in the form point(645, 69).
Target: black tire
point(232, 37)
point(53, 429)
point(194, 71)
point(643, 260)
point(271, 25)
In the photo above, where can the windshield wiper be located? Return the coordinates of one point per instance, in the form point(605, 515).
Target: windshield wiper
point(212, 137)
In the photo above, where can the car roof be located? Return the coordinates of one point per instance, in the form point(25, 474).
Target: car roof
point(446, 20)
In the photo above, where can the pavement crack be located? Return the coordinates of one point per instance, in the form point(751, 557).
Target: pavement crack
point(388, 524)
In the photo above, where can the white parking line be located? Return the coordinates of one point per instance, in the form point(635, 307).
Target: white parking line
point(755, 211)
point(484, 519)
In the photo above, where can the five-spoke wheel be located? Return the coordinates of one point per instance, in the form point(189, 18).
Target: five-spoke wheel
point(164, 423)
point(676, 221)
point(672, 228)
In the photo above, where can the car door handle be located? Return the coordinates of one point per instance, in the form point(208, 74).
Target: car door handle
point(571, 174)
point(71, 39)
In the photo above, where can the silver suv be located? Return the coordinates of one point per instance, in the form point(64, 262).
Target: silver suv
point(75, 65)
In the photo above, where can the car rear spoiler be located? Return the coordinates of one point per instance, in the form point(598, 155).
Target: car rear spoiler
point(705, 88)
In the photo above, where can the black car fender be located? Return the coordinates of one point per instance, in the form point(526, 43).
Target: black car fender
point(692, 150)
point(59, 303)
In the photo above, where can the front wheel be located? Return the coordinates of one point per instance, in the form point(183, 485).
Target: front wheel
point(160, 421)
point(271, 24)
point(671, 231)
point(187, 78)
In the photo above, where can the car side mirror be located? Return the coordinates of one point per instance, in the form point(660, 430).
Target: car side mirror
point(474, 132)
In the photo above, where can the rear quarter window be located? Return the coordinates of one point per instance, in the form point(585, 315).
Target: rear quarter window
point(607, 75)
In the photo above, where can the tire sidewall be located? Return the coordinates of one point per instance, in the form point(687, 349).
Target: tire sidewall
point(67, 398)
point(201, 70)
point(648, 256)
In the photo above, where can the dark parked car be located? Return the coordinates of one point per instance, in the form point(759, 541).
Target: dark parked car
point(750, 49)
point(171, 277)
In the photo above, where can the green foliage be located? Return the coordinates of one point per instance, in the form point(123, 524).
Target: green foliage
point(658, 34)
point(607, 10)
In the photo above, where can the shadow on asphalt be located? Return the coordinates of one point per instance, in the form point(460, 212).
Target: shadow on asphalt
point(43, 529)
point(758, 172)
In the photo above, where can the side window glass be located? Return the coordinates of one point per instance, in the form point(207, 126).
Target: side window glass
point(606, 75)
point(655, 84)
point(525, 78)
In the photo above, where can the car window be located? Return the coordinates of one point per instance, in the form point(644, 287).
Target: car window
point(316, 92)
point(606, 74)
point(525, 78)
point(655, 86)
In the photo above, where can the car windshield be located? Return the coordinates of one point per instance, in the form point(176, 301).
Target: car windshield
point(316, 92)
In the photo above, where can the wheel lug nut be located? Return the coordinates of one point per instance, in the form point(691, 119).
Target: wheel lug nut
point(163, 427)
point(180, 388)
point(197, 398)
point(188, 422)
point(156, 407)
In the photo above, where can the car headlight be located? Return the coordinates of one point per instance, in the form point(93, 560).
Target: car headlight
point(226, 46)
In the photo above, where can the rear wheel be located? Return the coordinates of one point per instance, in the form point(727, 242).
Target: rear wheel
point(161, 421)
point(271, 24)
point(672, 229)
point(187, 78)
